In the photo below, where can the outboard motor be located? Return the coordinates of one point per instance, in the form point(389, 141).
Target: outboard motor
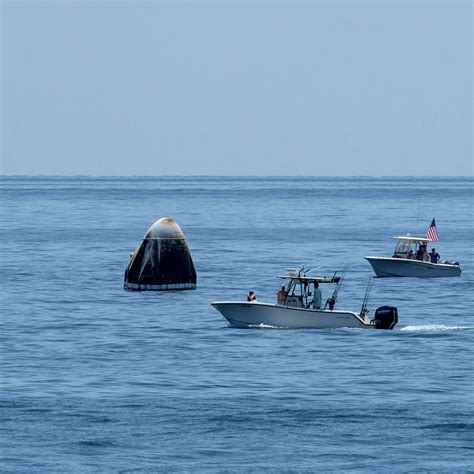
point(386, 317)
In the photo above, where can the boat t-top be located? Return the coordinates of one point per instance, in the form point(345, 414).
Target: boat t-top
point(297, 308)
point(411, 259)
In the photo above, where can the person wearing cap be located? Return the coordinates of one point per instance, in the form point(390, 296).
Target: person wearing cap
point(434, 256)
point(281, 295)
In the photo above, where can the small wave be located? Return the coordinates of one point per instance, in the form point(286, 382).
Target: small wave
point(434, 327)
point(96, 443)
point(254, 326)
point(266, 326)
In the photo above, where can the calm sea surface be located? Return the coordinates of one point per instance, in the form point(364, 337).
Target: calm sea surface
point(94, 378)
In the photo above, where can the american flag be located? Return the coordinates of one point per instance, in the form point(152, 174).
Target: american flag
point(432, 232)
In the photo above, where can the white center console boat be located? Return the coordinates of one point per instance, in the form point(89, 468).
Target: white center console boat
point(410, 259)
point(296, 309)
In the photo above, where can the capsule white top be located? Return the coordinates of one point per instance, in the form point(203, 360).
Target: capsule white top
point(165, 228)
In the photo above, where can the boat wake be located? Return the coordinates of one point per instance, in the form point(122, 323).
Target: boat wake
point(434, 327)
point(267, 326)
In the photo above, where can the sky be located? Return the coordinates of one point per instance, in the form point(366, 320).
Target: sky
point(321, 88)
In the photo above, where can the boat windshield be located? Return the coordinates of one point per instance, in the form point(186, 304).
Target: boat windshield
point(402, 248)
point(411, 248)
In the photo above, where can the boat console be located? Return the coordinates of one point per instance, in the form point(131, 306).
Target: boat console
point(294, 301)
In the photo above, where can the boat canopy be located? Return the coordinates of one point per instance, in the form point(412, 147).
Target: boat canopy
point(306, 279)
point(298, 289)
point(410, 239)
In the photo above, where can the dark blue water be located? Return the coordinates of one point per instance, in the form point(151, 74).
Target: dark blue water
point(97, 379)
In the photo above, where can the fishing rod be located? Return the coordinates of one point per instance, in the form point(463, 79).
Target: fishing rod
point(331, 302)
point(365, 309)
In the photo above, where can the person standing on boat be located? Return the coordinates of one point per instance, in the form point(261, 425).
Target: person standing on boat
point(251, 296)
point(317, 296)
point(281, 295)
point(434, 256)
point(424, 249)
point(421, 253)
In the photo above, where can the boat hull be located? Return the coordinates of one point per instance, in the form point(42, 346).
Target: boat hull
point(255, 314)
point(385, 267)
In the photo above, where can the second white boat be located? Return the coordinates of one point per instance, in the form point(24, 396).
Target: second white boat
point(405, 262)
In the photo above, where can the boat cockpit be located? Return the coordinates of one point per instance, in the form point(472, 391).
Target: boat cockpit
point(413, 248)
point(299, 292)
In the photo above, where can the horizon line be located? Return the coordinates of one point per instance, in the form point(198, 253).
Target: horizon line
point(223, 176)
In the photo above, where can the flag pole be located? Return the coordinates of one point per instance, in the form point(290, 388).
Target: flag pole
point(417, 210)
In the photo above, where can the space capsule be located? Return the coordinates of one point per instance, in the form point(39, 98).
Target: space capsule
point(162, 261)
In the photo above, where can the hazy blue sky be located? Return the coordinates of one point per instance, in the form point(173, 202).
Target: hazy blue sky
point(259, 88)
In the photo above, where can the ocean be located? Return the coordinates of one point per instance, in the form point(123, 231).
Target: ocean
point(97, 379)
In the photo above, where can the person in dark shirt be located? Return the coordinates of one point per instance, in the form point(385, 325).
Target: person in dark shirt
point(434, 256)
point(251, 296)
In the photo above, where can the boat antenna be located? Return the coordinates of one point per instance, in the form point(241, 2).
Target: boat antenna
point(331, 302)
point(365, 309)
